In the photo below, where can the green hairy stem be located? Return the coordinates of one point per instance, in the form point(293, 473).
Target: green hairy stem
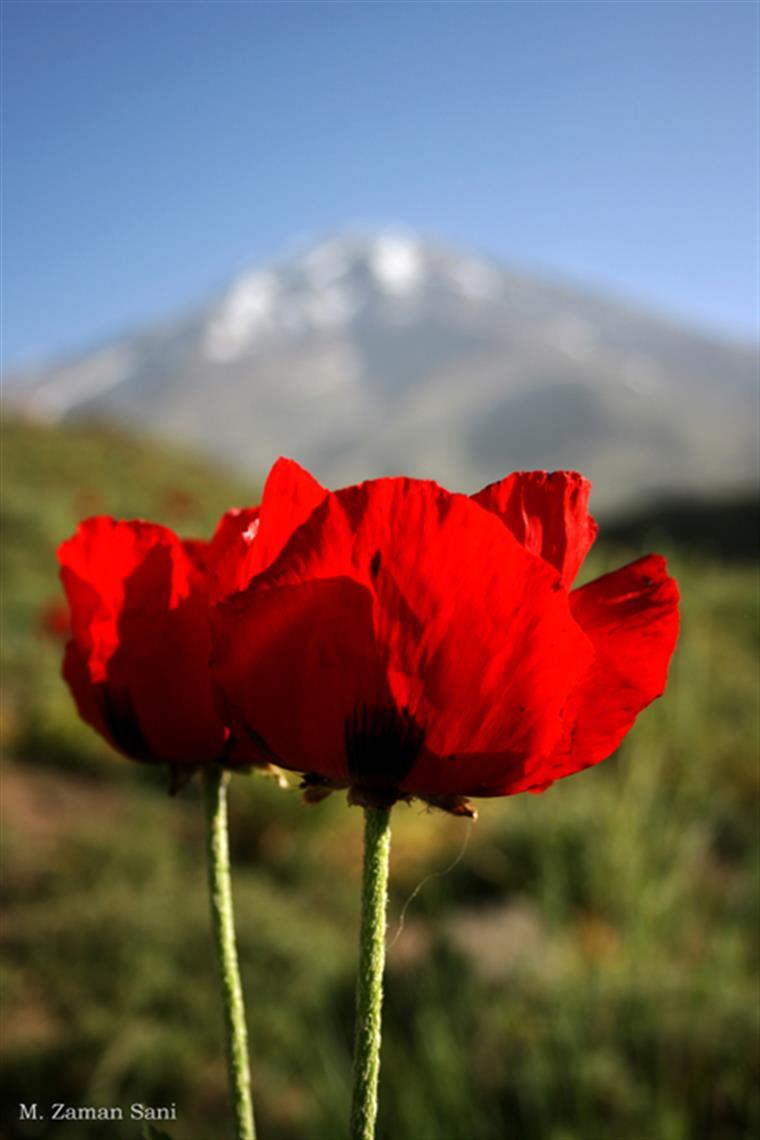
point(223, 922)
point(369, 990)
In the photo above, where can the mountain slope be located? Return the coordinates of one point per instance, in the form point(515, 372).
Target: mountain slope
point(373, 354)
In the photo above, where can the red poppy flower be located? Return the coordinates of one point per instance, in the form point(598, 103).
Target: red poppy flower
point(137, 661)
point(401, 640)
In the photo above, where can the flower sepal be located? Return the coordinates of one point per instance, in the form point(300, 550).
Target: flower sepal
point(316, 788)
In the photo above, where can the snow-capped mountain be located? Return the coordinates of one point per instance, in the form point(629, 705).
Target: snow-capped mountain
point(369, 354)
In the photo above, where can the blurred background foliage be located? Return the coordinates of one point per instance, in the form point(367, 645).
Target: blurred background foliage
point(585, 971)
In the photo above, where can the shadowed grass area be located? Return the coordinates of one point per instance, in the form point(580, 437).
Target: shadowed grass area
point(585, 972)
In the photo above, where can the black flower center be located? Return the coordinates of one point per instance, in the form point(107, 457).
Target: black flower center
point(382, 745)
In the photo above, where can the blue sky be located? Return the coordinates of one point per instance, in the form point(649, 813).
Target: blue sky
point(151, 149)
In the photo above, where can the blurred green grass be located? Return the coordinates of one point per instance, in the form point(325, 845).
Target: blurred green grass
point(586, 971)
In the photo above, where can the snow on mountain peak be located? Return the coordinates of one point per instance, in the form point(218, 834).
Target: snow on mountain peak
point(397, 264)
point(329, 283)
point(247, 312)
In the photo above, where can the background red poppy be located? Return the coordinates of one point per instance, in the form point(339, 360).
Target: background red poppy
point(137, 660)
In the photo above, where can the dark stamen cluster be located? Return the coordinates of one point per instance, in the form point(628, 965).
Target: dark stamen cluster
point(382, 745)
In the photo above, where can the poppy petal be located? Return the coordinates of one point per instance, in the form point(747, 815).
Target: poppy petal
point(290, 495)
point(482, 646)
point(631, 618)
point(77, 675)
point(228, 550)
point(138, 660)
point(198, 551)
point(548, 514)
point(293, 661)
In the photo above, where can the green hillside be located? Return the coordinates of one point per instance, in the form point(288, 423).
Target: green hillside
point(585, 972)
